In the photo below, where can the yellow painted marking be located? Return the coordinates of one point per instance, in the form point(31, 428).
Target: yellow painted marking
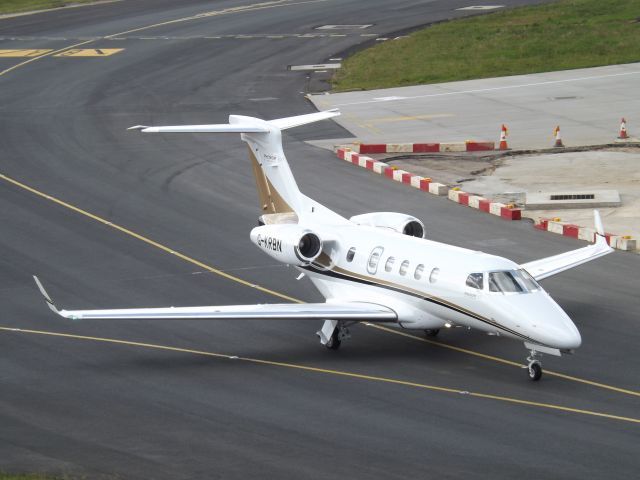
point(340, 373)
point(287, 297)
point(409, 118)
point(215, 13)
point(29, 52)
point(147, 240)
point(48, 54)
point(244, 8)
point(506, 362)
point(368, 126)
point(259, 6)
point(89, 52)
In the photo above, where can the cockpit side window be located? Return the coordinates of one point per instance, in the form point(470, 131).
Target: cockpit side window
point(503, 282)
point(475, 280)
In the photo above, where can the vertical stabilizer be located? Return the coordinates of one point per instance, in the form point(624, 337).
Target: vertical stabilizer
point(277, 189)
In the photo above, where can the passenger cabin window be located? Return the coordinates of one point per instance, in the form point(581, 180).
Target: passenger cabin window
point(404, 266)
point(475, 280)
point(389, 264)
point(418, 273)
point(503, 282)
point(374, 258)
point(433, 278)
point(351, 253)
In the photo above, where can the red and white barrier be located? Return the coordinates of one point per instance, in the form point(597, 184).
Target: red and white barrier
point(555, 225)
point(502, 210)
point(427, 185)
point(468, 146)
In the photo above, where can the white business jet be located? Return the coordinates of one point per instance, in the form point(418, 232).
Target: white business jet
point(378, 267)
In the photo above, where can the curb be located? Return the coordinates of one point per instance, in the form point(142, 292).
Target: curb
point(508, 212)
point(468, 146)
point(554, 225)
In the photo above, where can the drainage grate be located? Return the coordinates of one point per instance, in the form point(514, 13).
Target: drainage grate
point(576, 196)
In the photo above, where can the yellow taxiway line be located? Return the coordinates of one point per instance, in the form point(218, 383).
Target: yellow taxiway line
point(215, 13)
point(260, 288)
point(340, 373)
point(240, 9)
point(148, 240)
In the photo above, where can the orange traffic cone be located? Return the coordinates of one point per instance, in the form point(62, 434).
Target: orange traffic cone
point(623, 130)
point(556, 133)
point(503, 138)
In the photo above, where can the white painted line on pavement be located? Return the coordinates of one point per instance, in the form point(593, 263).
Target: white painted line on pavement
point(481, 90)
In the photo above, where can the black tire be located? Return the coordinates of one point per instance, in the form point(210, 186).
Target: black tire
point(535, 371)
point(432, 332)
point(334, 342)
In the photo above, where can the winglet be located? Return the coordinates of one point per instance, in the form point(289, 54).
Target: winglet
point(601, 239)
point(137, 127)
point(598, 222)
point(46, 296)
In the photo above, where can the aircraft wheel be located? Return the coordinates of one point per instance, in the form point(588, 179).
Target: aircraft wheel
point(535, 371)
point(432, 332)
point(334, 342)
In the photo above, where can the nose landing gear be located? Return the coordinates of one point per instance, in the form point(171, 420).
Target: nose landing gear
point(534, 367)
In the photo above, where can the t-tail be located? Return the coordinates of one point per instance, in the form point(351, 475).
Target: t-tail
point(278, 191)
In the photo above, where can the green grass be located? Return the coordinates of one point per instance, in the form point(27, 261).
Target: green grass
point(7, 476)
point(558, 36)
point(17, 6)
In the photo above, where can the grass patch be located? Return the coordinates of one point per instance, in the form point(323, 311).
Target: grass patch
point(17, 6)
point(7, 476)
point(558, 36)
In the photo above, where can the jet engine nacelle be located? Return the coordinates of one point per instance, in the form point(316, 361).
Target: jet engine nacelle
point(290, 244)
point(399, 222)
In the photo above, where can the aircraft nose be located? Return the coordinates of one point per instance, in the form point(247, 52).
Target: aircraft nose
point(565, 336)
point(543, 320)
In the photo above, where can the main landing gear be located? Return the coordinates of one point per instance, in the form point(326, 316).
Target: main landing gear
point(431, 332)
point(332, 333)
point(534, 366)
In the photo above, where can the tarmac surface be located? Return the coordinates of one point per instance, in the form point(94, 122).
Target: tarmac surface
point(586, 103)
point(110, 218)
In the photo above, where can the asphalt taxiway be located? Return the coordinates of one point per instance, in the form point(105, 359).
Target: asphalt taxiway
point(112, 218)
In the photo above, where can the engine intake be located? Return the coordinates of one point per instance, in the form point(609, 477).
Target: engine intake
point(309, 246)
point(399, 222)
point(288, 243)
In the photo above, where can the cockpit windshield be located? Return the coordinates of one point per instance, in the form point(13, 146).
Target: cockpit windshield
point(503, 282)
point(506, 281)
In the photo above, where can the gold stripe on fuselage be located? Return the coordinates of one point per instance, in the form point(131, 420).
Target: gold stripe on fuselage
point(418, 293)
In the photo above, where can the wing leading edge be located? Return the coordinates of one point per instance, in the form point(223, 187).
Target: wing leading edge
point(355, 311)
point(546, 267)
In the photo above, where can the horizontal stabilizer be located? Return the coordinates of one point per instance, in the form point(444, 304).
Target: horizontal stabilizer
point(290, 122)
point(242, 124)
point(220, 128)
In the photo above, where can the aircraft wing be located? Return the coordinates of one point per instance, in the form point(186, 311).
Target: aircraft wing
point(355, 311)
point(546, 267)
